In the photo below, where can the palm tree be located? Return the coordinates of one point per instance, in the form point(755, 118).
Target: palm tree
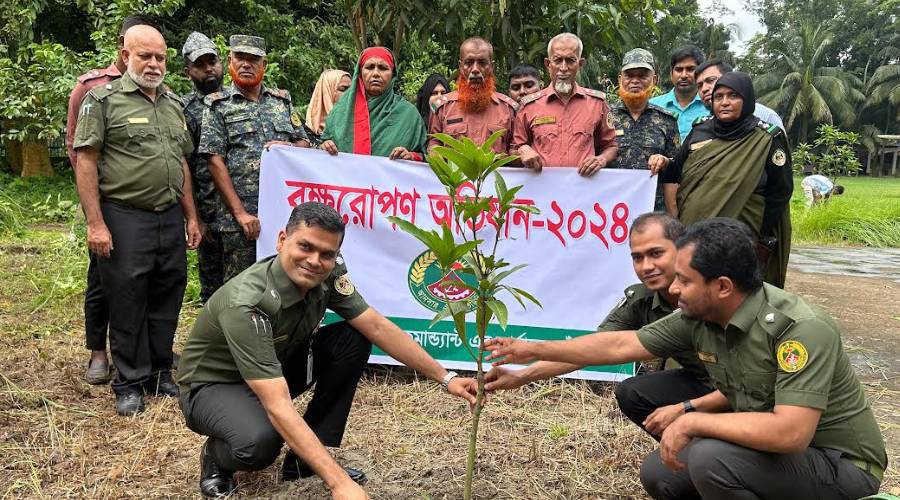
point(803, 91)
point(883, 91)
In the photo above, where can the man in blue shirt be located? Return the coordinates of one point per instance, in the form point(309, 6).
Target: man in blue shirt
point(818, 188)
point(708, 73)
point(683, 100)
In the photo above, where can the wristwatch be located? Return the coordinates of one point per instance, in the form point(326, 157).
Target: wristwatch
point(447, 378)
point(688, 406)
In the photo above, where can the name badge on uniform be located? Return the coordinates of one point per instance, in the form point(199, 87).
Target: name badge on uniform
point(619, 132)
point(139, 120)
point(697, 145)
point(543, 120)
point(451, 121)
point(708, 357)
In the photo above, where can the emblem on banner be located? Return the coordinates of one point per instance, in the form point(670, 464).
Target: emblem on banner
point(432, 288)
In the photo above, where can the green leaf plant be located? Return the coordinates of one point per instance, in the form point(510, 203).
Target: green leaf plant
point(460, 164)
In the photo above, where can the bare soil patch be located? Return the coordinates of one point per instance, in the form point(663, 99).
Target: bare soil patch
point(60, 437)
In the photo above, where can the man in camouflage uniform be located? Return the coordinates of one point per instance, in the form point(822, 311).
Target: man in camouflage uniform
point(239, 123)
point(204, 68)
point(647, 134)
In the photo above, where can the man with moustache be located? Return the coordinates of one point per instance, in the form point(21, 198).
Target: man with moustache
point(524, 79)
point(475, 110)
point(132, 176)
point(240, 121)
point(565, 125)
point(647, 135)
point(683, 101)
point(794, 416)
point(655, 399)
point(96, 311)
point(708, 73)
point(204, 68)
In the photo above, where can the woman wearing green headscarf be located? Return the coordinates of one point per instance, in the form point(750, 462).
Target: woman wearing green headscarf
point(370, 119)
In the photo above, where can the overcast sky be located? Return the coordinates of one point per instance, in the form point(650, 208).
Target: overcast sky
point(746, 21)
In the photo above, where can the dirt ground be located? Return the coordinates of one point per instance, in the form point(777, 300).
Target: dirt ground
point(60, 437)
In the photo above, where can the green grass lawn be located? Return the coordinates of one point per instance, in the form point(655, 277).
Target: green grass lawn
point(868, 213)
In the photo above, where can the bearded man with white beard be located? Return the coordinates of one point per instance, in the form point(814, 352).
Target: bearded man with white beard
point(565, 125)
point(238, 123)
point(135, 188)
point(475, 110)
point(647, 134)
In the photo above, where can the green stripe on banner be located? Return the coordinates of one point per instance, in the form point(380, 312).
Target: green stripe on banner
point(443, 344)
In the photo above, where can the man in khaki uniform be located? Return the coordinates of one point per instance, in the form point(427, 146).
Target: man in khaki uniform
point(476, 110)
point(793, 420)
point(131, 140)
point(257, 345)
point(651, 400)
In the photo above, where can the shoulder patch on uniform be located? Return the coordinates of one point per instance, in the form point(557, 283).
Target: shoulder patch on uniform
point(792, 356)
point(343, 285)
point(779, 157)
point(295, 119)
point(532, 97)
point(595, 93)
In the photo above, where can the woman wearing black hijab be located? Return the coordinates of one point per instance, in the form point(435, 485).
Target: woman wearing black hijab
point(734, 165)
point(434, 87)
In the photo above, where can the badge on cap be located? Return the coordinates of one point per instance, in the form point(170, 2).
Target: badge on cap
point(792, 356)
point(343, 285)
point(779, 158)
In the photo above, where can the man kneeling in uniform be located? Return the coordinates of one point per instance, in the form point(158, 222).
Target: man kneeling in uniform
point(796, 421)
point(655, 399)
point(257, 345)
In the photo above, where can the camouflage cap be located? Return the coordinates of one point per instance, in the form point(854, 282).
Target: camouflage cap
point(197, 45)
point(638, 58)
point(248, 44)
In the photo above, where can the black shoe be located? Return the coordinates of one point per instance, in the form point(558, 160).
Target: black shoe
point(293, 469)
point(214, 481)
point(129, 403)
point(163, 385)
point(98, 372)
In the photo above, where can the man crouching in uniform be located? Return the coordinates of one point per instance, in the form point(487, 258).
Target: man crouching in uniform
point(257, 345)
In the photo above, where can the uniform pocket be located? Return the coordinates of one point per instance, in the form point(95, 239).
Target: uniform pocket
point(239, 125)
point(283, 130)
point(143, 139)
point(457, 129)
point(759, 388)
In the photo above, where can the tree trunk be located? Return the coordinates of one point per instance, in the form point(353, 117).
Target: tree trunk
point(13, 155)
point(36, 159)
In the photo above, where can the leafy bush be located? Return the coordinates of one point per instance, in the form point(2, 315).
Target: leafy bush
point(831, 154)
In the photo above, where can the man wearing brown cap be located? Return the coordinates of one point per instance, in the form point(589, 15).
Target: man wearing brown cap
point(239, 123)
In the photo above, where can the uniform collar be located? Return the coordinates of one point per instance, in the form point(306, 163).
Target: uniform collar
point(745, 316)
point(128, 84)
point(670, 99)
point(235, 90)
point(660, 303)
point(579, 90)
point(287, 289)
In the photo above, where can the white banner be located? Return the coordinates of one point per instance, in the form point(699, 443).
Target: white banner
point(576, 249)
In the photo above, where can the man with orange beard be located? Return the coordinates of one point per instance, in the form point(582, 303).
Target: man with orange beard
point(238, 124)
point(565, 124)
point(647, 134)
point(475, 110)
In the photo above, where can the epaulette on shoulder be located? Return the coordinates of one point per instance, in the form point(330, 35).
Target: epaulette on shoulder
point(770, 128)
point(172, 95)
point(530, 98)
point(636, 291)
point(595, 93)
point(282, 94)
point(101, 92)
point(215, 96)
point(90, 75)
point(661, 110)
point(774, 321)
point(701, 119)
point(508, 100)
